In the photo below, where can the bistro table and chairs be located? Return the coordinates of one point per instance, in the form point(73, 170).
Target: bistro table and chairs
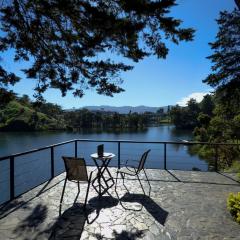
point(103, 180)
point(76, 171)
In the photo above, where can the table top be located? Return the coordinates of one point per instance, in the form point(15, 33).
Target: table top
point(106, 155)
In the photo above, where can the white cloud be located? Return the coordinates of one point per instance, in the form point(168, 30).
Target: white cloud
point(196, 95)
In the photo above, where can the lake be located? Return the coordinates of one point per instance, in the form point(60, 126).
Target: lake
point(32, 169)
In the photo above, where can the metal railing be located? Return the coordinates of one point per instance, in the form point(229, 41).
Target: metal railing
point(12, 157)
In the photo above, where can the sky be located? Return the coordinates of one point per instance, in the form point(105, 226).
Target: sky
point(155, 82)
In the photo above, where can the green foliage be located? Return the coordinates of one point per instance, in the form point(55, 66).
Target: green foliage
point(203, 151)
point(225, 75)
point(207, 104)
point(235, 168)
point(87, 119)
point(226, 56)
point(6, 97)
point(64, 38)
point(200, 134)
point(19, 117)
point(22, 114)
point(219, 129)
point(224, 124)
point(233, 205)
point(204, 119)
point(236, 126)
point(25, 100)
point(215, 128)
point(186, 117)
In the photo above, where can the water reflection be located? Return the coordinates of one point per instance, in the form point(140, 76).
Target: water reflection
point(180, 134)
point(110, 130)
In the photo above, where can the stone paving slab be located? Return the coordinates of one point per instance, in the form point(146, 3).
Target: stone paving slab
point(183, 205)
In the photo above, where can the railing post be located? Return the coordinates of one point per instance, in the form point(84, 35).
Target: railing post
point(216, 158)
point(12, 179)
point(76, 143)
point(52, 162)
point(165, 156)
point(119, 155)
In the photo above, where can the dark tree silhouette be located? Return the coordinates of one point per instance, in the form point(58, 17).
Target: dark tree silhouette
point(62, 40)
point(226, 58)
point(238, 3)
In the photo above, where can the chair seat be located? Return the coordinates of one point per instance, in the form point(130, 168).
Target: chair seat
point(127, 170)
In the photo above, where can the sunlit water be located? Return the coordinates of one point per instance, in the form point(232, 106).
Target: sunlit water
point(34, 168)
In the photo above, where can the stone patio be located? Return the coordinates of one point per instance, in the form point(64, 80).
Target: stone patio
point(182, 205)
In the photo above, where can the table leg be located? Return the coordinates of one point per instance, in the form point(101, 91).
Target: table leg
point(105, 166)
point(101, 189)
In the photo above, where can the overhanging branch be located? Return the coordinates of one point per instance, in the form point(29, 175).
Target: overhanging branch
point(238, 3)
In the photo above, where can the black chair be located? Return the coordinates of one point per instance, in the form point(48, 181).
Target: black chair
point(76, 171)
point(134, 171)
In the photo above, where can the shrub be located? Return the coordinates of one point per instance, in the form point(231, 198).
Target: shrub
point(235, 168)
point(233, 205)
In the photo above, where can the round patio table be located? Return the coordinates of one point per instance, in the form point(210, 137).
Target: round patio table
point(101, 183)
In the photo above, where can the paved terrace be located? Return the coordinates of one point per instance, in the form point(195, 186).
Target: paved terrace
point(183, 205)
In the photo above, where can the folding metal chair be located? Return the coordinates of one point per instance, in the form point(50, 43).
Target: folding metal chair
point(76, 171)
point(134, 172)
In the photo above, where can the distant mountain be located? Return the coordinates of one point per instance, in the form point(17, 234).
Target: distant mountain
point(125, 109)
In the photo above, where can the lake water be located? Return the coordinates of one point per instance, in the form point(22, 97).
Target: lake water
point(32, 169)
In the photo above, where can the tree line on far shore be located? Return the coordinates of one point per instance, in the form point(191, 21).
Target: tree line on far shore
point(22, 114)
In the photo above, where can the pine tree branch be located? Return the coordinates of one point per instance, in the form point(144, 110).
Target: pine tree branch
point(238, 3)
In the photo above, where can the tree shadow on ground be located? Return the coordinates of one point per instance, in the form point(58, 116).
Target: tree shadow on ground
point(71, 223)
point(12, 206)
point(9, 207)
point(32, 223)
point(124, 235)
point(150, 205)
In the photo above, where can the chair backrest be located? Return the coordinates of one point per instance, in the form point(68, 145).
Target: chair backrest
point(75, 168)
point(143, 160)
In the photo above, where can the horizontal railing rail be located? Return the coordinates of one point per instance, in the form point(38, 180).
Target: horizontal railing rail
point(116, 141)
point(36, 150)
point(11, 158)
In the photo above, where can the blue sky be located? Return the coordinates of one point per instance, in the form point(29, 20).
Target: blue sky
point(156, 82)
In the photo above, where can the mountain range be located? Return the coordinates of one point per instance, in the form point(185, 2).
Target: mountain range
point(125, 109)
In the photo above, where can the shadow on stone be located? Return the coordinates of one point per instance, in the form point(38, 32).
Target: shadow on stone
point(125, 235)
point(71, 223)
point(11, 206)
point(32, 221)
point(103, 202)
point(229, 177)
point(151, 206)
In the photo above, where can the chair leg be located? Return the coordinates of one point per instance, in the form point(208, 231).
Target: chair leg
point(116, 181)
point(86, 197)
point(141, 185)
point(116, 188)
point(60, 208)
point(77, 192)
point(148, 182)
point(123, 177)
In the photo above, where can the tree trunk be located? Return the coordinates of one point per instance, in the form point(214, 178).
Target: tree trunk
point(238, 3)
